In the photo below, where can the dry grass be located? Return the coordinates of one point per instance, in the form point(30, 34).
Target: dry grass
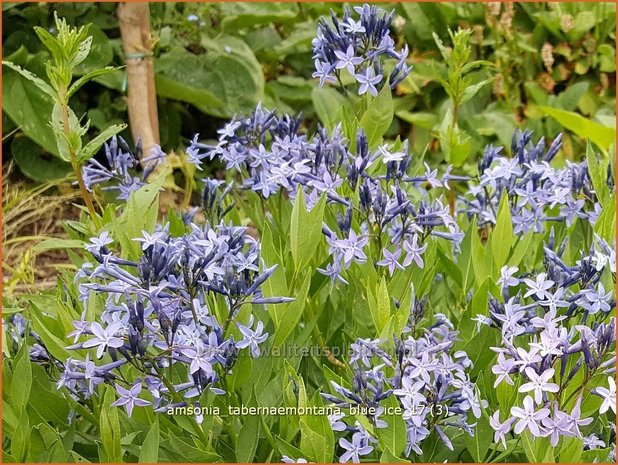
point(32, 213)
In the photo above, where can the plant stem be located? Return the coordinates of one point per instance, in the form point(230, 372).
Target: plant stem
point(451, 191)
point(75, 164)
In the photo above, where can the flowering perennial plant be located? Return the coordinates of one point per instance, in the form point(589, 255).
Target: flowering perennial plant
point(359, 46)
point(177, 304)
point(186, 310)
point(374, 192)
point(557, 334)
point(537, 192)
point(122, 163)
point(428, 379)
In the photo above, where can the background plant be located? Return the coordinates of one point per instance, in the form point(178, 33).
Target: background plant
point(271, 58)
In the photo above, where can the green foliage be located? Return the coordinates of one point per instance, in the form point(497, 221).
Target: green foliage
point(468, 88)
point(494, 73)
point(69, 48)
point(378, 117)
point(502, 237)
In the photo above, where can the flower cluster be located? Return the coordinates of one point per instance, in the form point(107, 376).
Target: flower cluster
point(272, 156)
point(178, 304)
point(426, 376)
point(359, 46)
point(555, 328)
point(120, 174)
point(538, 193)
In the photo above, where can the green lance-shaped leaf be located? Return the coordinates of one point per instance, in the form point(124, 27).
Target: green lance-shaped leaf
point(40, 83)
point(379, 116)
point(502, 236)
point(149, 452)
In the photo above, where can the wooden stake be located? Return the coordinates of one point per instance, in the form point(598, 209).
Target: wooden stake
point(141, 99)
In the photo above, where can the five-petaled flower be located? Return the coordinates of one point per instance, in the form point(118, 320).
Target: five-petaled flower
point(104, 338)
point(129, 398)
point(528, 417)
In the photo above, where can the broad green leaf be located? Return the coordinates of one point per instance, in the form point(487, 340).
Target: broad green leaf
point(47, 400)
point(46, 444)
point(149, 452)
point(479, 264)
point(290, 314)
point(606, 223)
point(502, 235)
point(229, 71)
point(464, 261)
point(600, 135)
point(521, 249)
point(454, 142)
point(419, 119)
point(242, 15)
point(316, 437)
point(472, 90)
point(186, 451)
point(178, 90)
point(301, 401)
point(22, 379)
point(35, 162)
point(285, 448)
point(328, 105)
point(313, 230)
point(97, 55)
point(71, 142)
point(109, 426)
point(598, 175)
point(478, 347)
point(507, 396)
point(89, 77)
point(537, 450)
point(593, 456)
point(378, 117)
point(54, 345)
point(571, 450)
point(248, 438)
point(478, 445)
point(388, 457)
point(20, 438)
point(30, 108)
point(450, 269)
point(393, 437)
point(379, 306)
point(297, 232)
point(50, 42)
point(305, 229)
point(37, 81)
point(276, 285)
point(241, 373)
point(139, 215)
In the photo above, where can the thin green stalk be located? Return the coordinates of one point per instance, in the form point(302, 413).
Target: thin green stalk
point(76, 168)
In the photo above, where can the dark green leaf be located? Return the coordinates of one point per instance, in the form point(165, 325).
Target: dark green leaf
point(29, 108)
point(478, 445)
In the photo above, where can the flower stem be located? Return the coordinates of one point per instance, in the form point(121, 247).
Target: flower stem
point(76, 168)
